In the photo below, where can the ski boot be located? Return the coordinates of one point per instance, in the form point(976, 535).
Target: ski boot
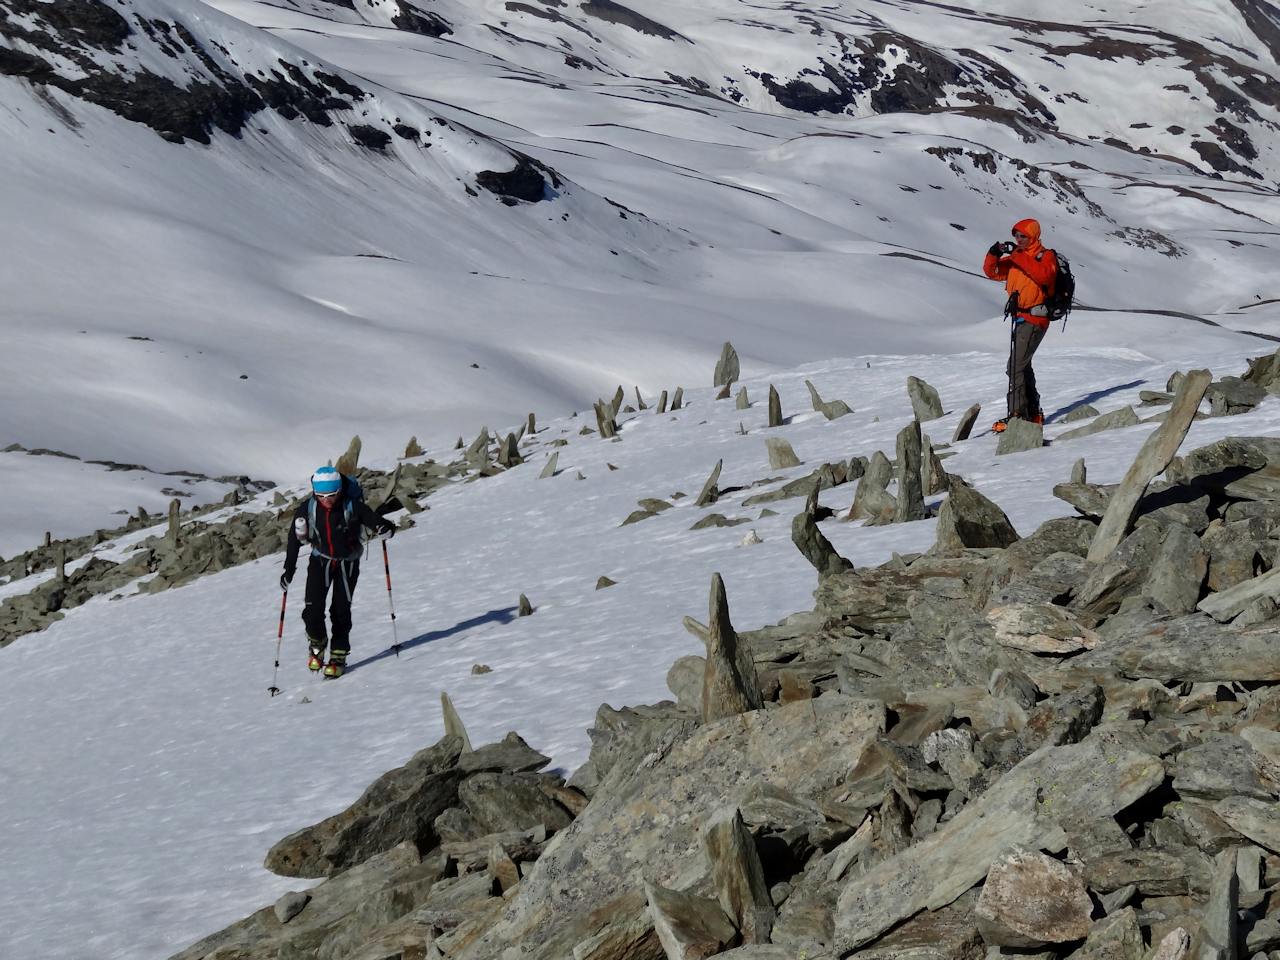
point(336, 666)
point(316, 660)
point(1000, 425)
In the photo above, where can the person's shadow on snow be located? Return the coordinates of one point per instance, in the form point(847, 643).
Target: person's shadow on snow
point(503, 615)
point(1090, 397)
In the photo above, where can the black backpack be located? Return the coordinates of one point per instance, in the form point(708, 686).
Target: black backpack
point(1062, 294)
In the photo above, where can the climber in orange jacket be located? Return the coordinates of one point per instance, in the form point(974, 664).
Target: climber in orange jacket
point(1028, 269)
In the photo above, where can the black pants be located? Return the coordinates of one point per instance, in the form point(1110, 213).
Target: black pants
point(1024, 401)
point(340, 577)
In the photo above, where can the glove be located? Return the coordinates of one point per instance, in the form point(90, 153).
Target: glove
point(996, 249)
point(389, 530)
point(285, 579)
point(1008, 247)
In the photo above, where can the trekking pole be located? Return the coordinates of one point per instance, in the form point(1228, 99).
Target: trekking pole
point(386, 565)
point(1013, 349)
point(273, 689)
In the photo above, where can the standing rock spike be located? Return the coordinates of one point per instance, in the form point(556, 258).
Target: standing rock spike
point(729, 683)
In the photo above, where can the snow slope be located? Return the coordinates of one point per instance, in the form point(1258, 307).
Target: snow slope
point(144, 770)
point(243, 306)
point(298, 287)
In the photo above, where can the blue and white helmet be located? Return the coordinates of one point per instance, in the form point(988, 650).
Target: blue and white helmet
point(326, 480)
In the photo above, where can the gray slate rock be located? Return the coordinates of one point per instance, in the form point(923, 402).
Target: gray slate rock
point(728, 368)
point(811, 543)
point(1124, 417)
point(1155, 455)
point(775, 407)
point(1231, 396)
point(965, 426)
point(1083, 412)
point(969, 519)
point(1030, 900)
point(1020, 435)
point(1084, 780)
point(729, 685)
point(924, 400)
point(644, 823)
point(781, 456)
point(910, 505)
point(688, 927)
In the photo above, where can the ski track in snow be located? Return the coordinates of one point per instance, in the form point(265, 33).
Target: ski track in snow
point(145, 771)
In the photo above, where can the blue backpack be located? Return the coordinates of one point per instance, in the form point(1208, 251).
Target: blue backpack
point(352, 493)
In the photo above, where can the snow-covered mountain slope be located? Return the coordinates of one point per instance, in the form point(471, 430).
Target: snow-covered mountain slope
point(320, 267)
point(145, 771)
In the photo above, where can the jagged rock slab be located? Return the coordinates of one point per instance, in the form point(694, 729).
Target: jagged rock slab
point(728, 367)
point(1040, 628)
point(1230, 603)
point(400, 805)
point(1155, 455)
point(1259, 820)
point(1030, 900)
point(737, 876)
point(644, 823)
point(1192, 647)
point(1027, 805)
point(1124, 417)
point(688, 927)
point(910, 505)
point(965, 426)
point(969, 519)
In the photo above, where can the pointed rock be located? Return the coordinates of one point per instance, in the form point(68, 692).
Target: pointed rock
point(662, 402)
point(524, 608)
point(814, 398)
point(175, 522)
point(775, 407)
point(781, 456)
point(509, 452)
point(729, 683)
point(742, 403)
point(640, 404)
point(710, 492)
point(910, 504)
point(677, 399)
point(935, 479)
point(965, 426)
point(1152, 459)
point(477, 451)
point(815, 547)
point(453, 723)
point(724, 392)
point(549, 470)
point(924, 400)
point(1079, 474)
point(688, 927)
point(872, 501)
point(737, 876)
point(615, 405)
point(412, 449)
point(605, 422)
point(968, 519)
point(831, 409)
point(531, 426)
point(349, 461)
point(728, 368)
point(603, 582)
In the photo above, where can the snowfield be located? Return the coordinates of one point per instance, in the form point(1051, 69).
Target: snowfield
point(244, 307)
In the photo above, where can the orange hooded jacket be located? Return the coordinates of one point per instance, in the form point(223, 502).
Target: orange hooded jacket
point(1027, 274)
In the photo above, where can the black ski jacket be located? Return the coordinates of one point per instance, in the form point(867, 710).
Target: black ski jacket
point(336, 536)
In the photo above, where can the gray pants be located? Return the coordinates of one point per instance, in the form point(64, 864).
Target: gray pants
point(1024, 401)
